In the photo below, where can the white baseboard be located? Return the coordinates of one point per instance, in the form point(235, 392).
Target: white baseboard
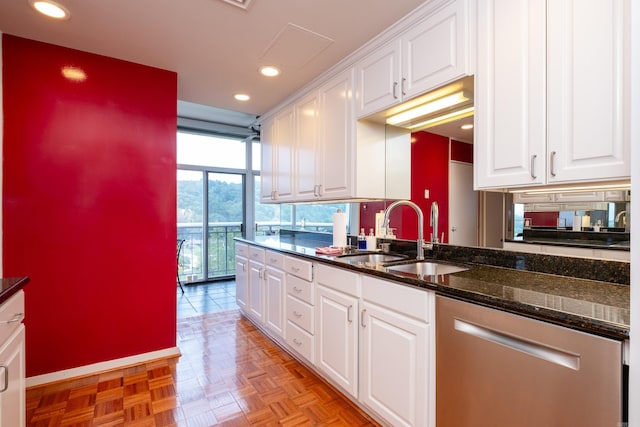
point(95, 368)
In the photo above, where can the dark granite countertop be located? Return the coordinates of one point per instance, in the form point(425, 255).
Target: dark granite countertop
point(10, 286)
point(499, 279)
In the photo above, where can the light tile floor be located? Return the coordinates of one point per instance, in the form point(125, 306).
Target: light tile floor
point(203, 298)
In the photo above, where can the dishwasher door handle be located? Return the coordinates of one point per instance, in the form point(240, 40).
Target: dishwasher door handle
point(549, 354)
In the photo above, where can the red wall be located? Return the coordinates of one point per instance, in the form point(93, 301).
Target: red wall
point(89, 196)
point(429, 170)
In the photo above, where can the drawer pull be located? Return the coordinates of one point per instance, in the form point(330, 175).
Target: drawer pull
point(296, 342)
point(16, 318)
point(297, 289)
point(272, 260)
point(298, 315)
point(5, 384)
point(295, 269)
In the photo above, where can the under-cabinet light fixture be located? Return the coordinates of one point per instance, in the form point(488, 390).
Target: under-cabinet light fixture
point(50, 8)
point(574, 189)
point(429, 108)
point(445, 118)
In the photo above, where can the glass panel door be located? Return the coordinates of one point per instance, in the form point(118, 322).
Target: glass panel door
point(225, 221)
point(190, 225)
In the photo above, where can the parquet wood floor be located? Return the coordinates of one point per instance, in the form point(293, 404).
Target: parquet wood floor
point(229, 374)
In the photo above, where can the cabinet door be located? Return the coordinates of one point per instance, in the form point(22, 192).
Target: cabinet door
point(12, 373)
point(241, 282)
point(267, 161)
point(336, 158)
point(275, 291)
point(284, 141)
point(256, 291)
point(394, 366)
point(378, 80)
point(435, 51)
point(588, 90)
point(336, 337)
point(306, 154)
point(509, 146)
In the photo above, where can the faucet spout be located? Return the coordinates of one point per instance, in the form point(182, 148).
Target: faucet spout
point(420, 242)
point(433, 220)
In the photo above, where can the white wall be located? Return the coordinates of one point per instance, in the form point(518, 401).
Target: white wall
point(634, 380)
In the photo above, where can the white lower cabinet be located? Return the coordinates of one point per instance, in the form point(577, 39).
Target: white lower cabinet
point(300, 313)
point(337, 294)
point(12, 362)
point(242, 277)
point(274, 293)
point(255, 306)
point(397, 347)
point(374, 339)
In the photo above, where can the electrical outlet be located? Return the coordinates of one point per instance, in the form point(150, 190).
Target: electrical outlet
point(426, 193)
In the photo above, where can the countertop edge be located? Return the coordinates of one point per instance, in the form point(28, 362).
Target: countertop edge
point(572, 321)
point(11, 285)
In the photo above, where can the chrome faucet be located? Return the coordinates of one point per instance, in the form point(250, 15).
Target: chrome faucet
point(433, 221)
point(420, 242)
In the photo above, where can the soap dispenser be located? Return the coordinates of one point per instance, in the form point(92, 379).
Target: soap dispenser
point(362, 240)
point(371, 241)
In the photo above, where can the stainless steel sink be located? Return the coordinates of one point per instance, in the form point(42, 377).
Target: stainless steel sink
point(426, 268)
point(373, 258)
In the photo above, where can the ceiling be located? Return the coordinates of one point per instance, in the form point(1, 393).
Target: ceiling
point(216, 47)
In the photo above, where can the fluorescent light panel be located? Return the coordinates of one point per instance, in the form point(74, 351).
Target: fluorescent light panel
point(429, 108)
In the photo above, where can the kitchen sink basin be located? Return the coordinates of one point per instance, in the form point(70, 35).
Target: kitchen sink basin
point(426, 268)
point(373, 258)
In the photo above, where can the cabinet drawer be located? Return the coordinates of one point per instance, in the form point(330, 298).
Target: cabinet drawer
point(300, 313)
point(242, 249)
point(299, 267)
point(416, 303)
point(11, 315)
point(274, 259)
point(338, 279)
point(300, 289)
point(256, 254)
point(301, 341)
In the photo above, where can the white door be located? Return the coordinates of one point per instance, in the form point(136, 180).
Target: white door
point(393, 366)
point(274, 300)
point(241, 282)
point(463, 205)
point(12, 374)
point(306, 117)
point(336, 337)
point(256, 282)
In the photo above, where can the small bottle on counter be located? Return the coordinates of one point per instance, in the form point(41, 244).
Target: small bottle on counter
point(371, 241)
point(362, 240)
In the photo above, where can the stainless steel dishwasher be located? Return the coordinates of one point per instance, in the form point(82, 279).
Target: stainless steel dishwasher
point(497, 369)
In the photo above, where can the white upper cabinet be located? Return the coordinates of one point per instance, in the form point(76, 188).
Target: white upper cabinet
point(277, 140)
point(588, 85)
point(427, 55)
point(335, 156)
point(551, 92)
point(306, 146)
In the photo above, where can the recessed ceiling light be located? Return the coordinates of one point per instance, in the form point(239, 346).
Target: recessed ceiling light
point(467, 126)
point(269, 71)
point(241, 97)
point(50, 9)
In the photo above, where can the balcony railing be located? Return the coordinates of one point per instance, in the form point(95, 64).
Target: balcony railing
point(221, 252)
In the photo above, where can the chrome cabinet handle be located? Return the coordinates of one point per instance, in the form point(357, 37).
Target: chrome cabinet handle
point(295, 269)
point(296, 342)
point(533, 166)
point(297, 289)
point(553, 166)
point(319, 190)
point(16, 318)
point(395, 90)
point(404, 81)
point(5, 385)
point(349, 314)
point(295, 313)
point(364, 310)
